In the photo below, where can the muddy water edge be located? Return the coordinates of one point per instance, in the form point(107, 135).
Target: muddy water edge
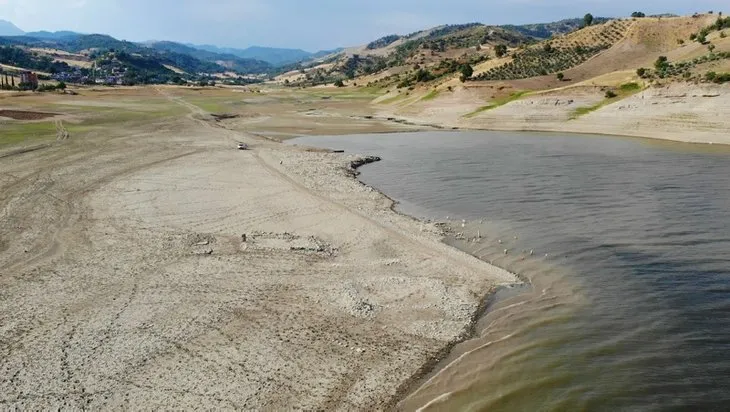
point(624, 242)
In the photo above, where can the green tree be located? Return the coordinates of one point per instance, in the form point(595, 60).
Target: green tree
point(610, 94)
point(638, 14)
point(423, 76)
point(661, 63)
point(466, 71)
point(641, 72)
point(500, 50)
point(588, 19)
point(61, 86)
point(710, 76)
point(561, 76)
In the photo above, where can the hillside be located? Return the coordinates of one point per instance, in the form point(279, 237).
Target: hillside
point(159, 62)
point(228, 61)
point(53, 35)
point(273, 56)
point(547, 30)
point(600, 74)
point(444, 49)
point(276, 57)
point(9, 29)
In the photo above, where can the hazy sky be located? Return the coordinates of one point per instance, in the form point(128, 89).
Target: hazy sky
point(307, 24)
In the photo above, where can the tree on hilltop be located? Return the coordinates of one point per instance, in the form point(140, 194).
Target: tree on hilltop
point(638, 14)
point(588, 19)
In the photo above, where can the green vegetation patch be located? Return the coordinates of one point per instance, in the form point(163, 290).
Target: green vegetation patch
point(630, 87)
point(498, 102)
point(431, 95)
point(612, 96)
point(15, 133)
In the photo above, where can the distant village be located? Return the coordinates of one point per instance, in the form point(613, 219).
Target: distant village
point(77, 75)
point(107, 76)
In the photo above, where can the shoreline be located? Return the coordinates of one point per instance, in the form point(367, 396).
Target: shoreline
point(682, 113)
point(434, 364)
point(456, 129)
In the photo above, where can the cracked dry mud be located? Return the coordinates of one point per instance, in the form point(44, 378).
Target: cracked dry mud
point(110, 299)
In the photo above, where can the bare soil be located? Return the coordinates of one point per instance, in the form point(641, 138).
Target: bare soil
point(126, 281)
point(25, 115)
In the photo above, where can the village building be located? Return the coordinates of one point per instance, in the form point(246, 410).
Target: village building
point(29, 80)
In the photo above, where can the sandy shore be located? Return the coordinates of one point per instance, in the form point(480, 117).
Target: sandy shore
point(127, 283)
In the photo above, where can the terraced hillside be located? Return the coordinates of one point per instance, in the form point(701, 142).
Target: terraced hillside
point(440, 49)
point(561, 53)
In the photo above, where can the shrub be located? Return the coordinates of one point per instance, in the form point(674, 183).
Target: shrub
point(710, 76)
point(629, 87)
point(722, 78)
point(641, 72)
point(45, 88)
point(610, 94)
point(339, 83)
point(405, 83)
point(423, 76)
point(560, 76)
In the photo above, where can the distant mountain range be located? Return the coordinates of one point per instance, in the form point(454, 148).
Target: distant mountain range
point(55, 35)
point(275, 57)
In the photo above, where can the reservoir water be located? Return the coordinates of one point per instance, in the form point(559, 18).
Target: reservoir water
point(625, 244)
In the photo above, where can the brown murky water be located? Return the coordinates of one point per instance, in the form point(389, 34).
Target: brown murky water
point(625, 248)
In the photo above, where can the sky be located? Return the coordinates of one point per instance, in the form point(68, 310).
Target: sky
point(307, 24)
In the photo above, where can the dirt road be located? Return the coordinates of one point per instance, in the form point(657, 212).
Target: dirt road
point(127, 283)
